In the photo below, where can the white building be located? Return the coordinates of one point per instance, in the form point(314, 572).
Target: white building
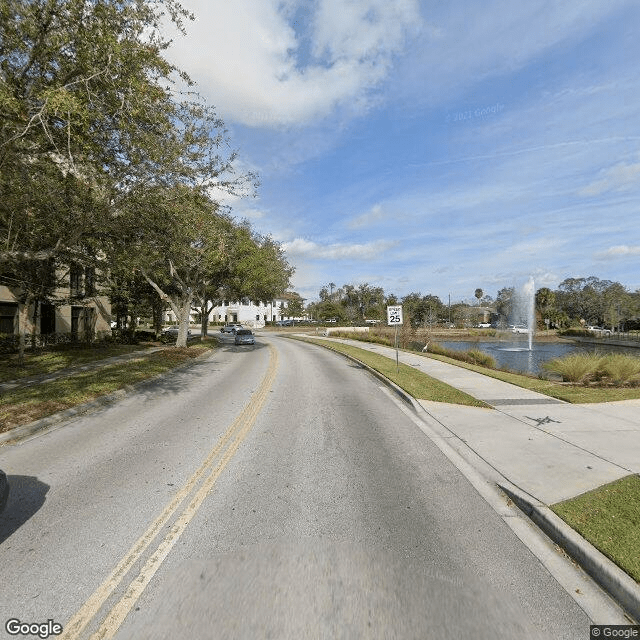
point(250, 313)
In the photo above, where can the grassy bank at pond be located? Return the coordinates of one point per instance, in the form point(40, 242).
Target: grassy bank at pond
point(30, 403)
point(415, 383)
point(573, 392)
point(609, 518)
point(569, 392)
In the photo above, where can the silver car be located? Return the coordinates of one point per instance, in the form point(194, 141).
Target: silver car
point(244, 336)
point(230, 328)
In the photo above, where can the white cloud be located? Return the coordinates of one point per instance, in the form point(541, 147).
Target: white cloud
point(620, 177)
point(248, 58)
point(375, 214)
point(620, 251)
point(369, 251)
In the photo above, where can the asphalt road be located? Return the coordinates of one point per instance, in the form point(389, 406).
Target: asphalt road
point(275, 491)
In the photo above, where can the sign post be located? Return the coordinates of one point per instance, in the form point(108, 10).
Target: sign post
point(394, 319)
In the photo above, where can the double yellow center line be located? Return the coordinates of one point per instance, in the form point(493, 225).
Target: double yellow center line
point(236, 433)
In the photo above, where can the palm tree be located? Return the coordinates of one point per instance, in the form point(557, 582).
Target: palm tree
point(478, 294)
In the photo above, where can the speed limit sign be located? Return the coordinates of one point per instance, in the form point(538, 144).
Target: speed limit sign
point(394, 315)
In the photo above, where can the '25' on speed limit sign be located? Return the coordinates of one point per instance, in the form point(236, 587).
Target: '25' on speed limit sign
point(394, 315)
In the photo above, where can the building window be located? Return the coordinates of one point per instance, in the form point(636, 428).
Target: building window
point(8, 313)
point(90, 281)
point(47, 318)
point(76, 312)
point(75, 281)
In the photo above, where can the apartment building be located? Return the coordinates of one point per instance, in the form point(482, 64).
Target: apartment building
point(77, 308)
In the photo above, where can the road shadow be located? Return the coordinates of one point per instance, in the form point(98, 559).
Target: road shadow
point(182, 378)
point(233, 348)
point(26, 495)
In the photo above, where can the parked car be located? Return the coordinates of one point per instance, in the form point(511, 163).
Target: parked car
point(173, 331)
point(4, 490)
point(244, 336)
point(518, 328)
point(599, 330)
point(231, 328)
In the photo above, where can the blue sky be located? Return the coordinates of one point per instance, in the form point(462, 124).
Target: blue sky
point(432, 147)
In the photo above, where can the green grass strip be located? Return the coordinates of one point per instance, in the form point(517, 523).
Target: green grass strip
point(26, 404)
point(609, 518)
point(415, 383)
point(43, 362)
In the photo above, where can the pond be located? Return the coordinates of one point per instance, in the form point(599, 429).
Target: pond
point(517, 357)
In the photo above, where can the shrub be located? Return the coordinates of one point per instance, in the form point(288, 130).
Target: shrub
point(621, 368)
point(577, 367)
point(481, 358)
point(577, 333)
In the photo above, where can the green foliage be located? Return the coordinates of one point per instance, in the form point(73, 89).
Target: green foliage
point(576, 367)
point(615, 369)
point(100, 154)
point(621, 369)
point(481, 358)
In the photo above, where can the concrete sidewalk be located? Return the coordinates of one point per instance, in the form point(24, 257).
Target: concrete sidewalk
point(550, 449)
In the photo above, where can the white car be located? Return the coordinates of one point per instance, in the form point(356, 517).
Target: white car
point(518, 328)
point(599, 330)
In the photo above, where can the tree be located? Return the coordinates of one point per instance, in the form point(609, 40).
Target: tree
point(181, 241)
point(478, 294)
point(422, 310)
point(89, 111)
point(326, 310)
point(504, 302)
point(295, 306)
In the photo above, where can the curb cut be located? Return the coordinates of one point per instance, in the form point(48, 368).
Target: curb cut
point(24, 431)
point(622, 587)
point(618, 584)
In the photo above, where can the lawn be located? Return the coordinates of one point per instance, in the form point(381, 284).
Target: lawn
point(50, 361)
point(26, 404)
point(609, 517)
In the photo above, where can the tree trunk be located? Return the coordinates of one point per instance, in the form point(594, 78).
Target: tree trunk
point(181, 308)
point(205, 311)
point(23, 321)
point(157, 316)
point(183, 327)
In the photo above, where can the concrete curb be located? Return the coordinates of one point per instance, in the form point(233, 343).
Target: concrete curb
point(622, 587)
point(607, 574)
point(24, 431)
